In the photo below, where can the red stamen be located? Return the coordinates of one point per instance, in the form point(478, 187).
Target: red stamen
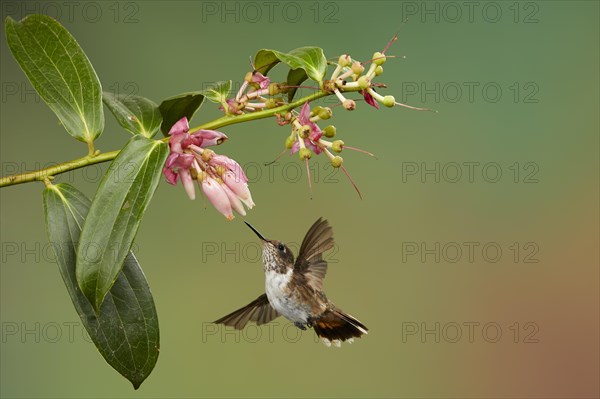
point(359, 150)
point(276, 159)
point(309, 180)
point(390, 42)
point(352, 181)
point(416, 108)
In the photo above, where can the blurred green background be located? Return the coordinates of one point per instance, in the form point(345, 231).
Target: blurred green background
point(508, 168)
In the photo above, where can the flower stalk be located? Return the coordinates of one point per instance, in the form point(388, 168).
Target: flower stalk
point(100, 157)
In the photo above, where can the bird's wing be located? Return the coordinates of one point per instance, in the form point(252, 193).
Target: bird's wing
point(310, 262)
point(259, 311)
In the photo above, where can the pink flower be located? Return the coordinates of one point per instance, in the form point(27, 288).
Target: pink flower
point(304, 117)
point(181, 139)
point(217, 196)
point(178, 166)
point(262, 80)
point(221, 178)
point(231, 165)
point(309, 144)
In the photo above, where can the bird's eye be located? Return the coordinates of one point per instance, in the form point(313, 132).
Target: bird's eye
point(280, 247)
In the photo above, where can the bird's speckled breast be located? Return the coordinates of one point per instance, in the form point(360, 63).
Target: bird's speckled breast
point(282, 298)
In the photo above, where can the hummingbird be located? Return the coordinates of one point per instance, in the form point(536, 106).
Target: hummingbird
point(294, 290)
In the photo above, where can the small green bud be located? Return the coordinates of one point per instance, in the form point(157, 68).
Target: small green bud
point(316, 110)
point(325, 113)
point(344, 60)
point(364, 82)
point(349, 105)
point(329, 131)
point(305, 153)
point(378, 70)
point(337, 161)
point(304, 131)
point(389, 101)
point(289, 142)
point(357, 68)
point(378, 58)
point(337, 146)
point(274, 89)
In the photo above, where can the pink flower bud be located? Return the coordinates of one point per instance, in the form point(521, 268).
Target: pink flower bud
point(207, 138)
point(234, 200)
point(231, 165)
point(239, 188)
point(188, 183)
point(217, 196)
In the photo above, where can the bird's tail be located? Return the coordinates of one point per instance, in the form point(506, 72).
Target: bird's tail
point(335, 326)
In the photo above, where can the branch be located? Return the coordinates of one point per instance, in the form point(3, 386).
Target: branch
point(50, 172)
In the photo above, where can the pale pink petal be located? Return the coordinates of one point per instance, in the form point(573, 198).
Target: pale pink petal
point(295, 147)
point(231, 165)
point(261, 79)
point(305, 114)
point(188, 183)
point(181, 126)
point(217, 196)
point(235, 202)
point(239, 187)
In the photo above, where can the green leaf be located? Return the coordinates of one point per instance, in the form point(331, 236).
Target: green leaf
point(60, 72)
point(174, 108)
point(310, 59)
point(218, 91)
point(186, 104)
point(115, 215)
point(125, 331)
point(138, 115)
point(265, 60)
point(295, 77)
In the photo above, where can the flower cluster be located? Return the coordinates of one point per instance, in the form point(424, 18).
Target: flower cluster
point(190, 160)
point(252, 95)
point(221, 178)
point(349, 75)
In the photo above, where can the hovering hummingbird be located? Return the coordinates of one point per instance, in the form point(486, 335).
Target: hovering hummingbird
point(294, 290)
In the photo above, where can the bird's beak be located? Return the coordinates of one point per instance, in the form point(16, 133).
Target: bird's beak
point(256, 231)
